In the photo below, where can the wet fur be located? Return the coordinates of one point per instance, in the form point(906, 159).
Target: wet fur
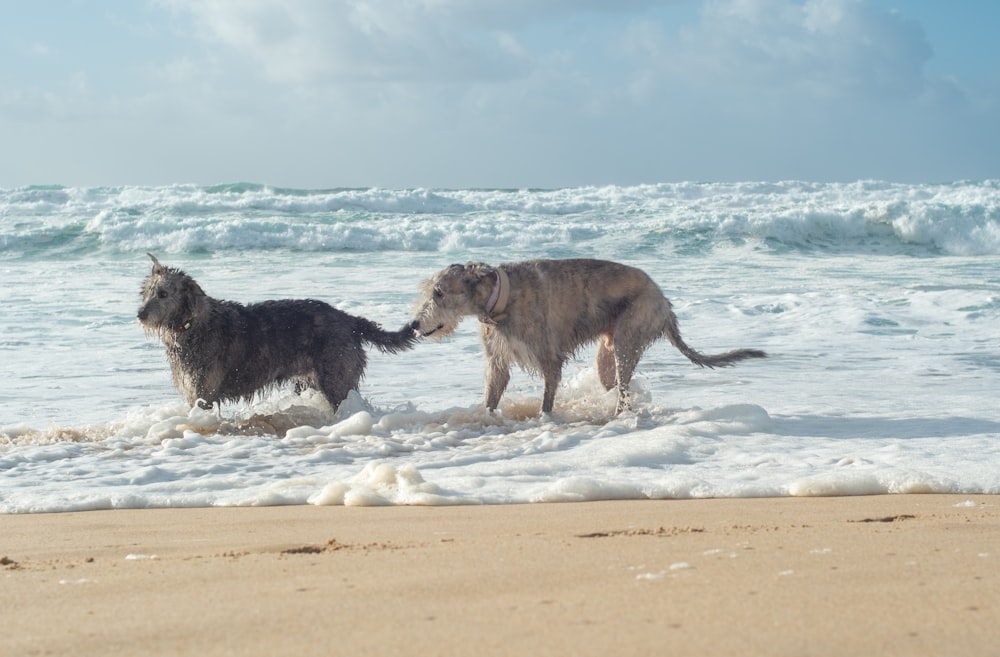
point(226, 351)
point(555, 308)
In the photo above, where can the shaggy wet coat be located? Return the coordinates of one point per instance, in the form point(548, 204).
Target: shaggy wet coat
point(538, 313)
point(226, 351)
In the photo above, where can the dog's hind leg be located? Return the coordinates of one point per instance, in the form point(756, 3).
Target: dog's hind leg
point(335, 390)
point(626, 361)
point(633, 335)
point(339, 372)
point(606, 367)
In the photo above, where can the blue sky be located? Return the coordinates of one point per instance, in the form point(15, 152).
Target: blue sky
point(497, 93)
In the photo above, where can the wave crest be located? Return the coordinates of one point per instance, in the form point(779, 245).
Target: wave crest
point(960, 218)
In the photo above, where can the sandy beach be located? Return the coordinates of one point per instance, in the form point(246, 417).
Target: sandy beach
point(887, 575)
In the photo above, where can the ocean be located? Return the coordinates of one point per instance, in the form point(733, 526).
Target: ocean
point(878, 304)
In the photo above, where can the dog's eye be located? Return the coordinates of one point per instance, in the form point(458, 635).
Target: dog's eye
point(162, 294)
point(438, 294)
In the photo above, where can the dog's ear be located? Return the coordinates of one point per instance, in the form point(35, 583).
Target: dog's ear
point(476, 270)
point(193, 290)
point(157, 267)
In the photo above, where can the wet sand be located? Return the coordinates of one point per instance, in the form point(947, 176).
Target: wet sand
point(887, 575)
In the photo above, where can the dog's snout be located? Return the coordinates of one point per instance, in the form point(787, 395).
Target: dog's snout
point(142, 314)
point(415, 327)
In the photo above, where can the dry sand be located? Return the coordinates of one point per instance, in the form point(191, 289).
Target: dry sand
point(888, 575)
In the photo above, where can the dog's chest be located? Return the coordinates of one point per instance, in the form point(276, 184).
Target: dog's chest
point(510, 348)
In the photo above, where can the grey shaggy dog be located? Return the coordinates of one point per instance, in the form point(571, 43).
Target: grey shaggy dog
point(538, 313)
point(226, 351)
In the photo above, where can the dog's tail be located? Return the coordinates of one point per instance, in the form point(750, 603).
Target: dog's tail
point(389, 342)
point(673, 333)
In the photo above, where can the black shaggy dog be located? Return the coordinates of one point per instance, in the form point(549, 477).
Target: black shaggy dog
point(226, 351)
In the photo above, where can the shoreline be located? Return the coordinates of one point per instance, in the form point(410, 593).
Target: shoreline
point(896, 574)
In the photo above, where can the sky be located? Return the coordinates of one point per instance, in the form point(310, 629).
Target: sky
point(497, 93)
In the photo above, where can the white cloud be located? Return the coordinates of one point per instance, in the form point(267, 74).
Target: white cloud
point(38, 49)
point(825, 49)
point(818, 49)
point(318, 41)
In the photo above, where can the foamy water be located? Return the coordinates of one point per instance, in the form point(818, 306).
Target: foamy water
point(879, 305)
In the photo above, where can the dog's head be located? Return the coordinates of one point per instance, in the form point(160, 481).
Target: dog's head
point(451, 294)
point(171, 300)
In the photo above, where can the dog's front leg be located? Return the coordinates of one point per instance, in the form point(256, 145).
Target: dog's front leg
point(497, 378)
point(205, 396)
point(202, 391)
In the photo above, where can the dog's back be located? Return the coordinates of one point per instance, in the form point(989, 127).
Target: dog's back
point(300, 340)
point(570, 303)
